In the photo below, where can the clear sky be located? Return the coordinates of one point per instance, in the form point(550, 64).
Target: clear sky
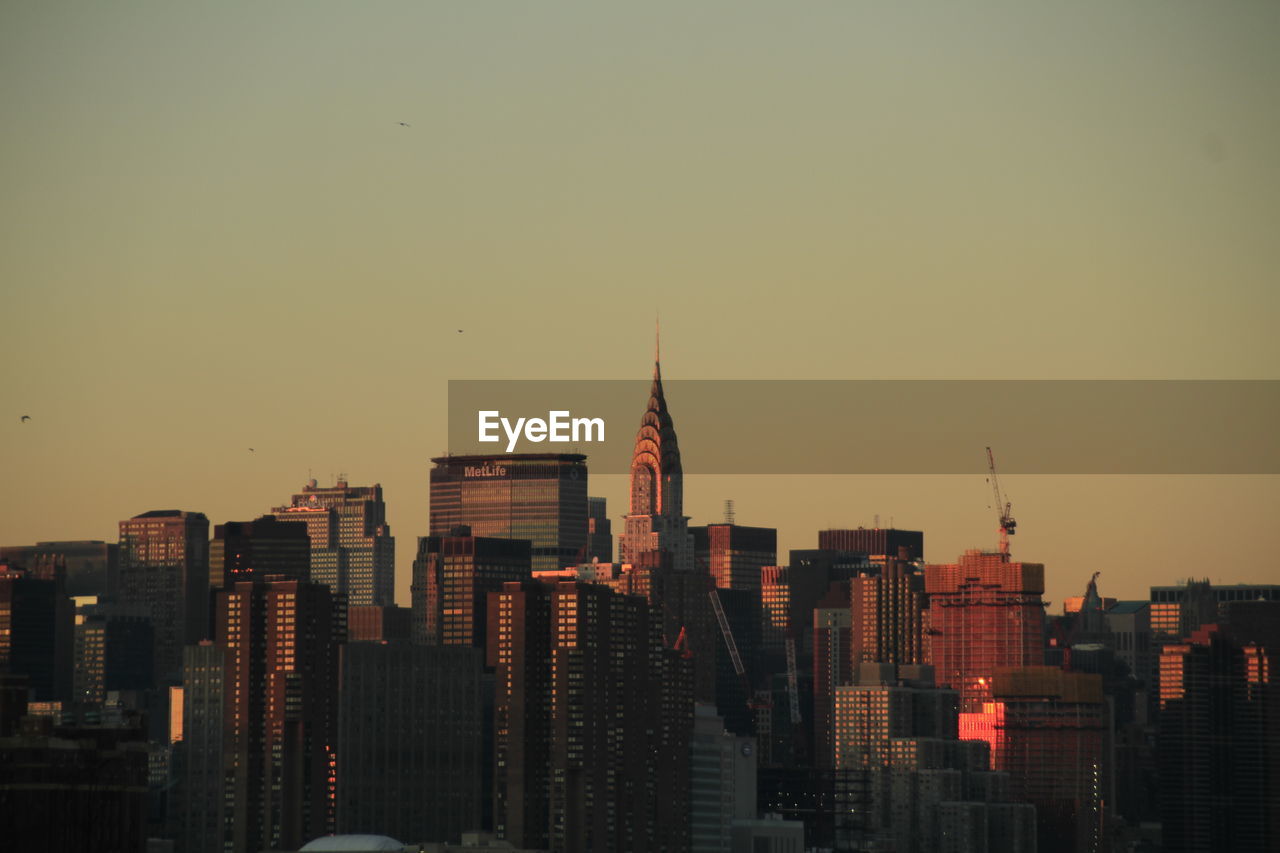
point(216, 235)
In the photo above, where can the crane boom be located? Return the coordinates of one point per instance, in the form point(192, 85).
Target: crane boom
point(1008, 526)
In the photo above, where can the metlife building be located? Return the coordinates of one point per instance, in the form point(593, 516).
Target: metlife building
point(541, 497)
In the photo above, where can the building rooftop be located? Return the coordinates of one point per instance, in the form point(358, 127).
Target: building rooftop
point(352, 844)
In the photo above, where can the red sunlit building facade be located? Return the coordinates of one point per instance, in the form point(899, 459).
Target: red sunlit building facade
point(985, 612)
point(1047, 729)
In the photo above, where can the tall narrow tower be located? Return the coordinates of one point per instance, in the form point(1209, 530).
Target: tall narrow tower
point(656, 521)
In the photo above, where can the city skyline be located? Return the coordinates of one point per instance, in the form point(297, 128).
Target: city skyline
point(887, 193)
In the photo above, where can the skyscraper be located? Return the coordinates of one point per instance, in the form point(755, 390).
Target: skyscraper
point(887, 614)
point(1047, 728)
point(36, 632)
point(905, 778)
point(1219, 743)
point(92, 566)
point(281, 642)
point(164, 566)
point(409, 724)
point(593, 721)
point(452, 578)
point(599, 531)
point(202, 805)
point(656, 521)
point(875, 541)
point(353, 551)
point(539, 497)
point(249, 550)
point(985, 613)
point(735, 553)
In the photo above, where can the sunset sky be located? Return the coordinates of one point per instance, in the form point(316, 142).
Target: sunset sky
point(215, 234)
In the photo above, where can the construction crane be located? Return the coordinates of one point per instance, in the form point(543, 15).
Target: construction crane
point(1008, 526)
point(741, 671)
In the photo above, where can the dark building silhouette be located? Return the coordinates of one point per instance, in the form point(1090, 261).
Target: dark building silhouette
point(1219, 734)
point(593, 721)
point(876, 541)
point(832, 666)
point(164, 566)
point(280, 684)
point(409, 726)
point(37, 632)
point(92, 566)
point(734, 554)
point(1048, 729)
point(538, 497)
point(452, 578)
point(352, 549)
point(73, 788)
point(114, 650)
point(599, 531)
point(252, 550)
point(373, 624)
point(985, 612)
point(201, 811)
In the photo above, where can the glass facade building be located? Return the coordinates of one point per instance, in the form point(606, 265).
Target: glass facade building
point(541, 497)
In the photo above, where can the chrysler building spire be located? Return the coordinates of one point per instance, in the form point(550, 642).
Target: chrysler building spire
point(656, 520)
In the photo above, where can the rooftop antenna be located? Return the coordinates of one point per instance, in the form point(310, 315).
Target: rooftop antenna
point(728, 512)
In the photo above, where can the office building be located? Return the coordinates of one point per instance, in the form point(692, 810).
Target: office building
point(722, 782)
point(373, 624)
point(832, 666)
point(538, 497)
point(353, 551)
point(876, 542)
point(92, 566)
point(985, 613)
point(202, 810)
point(734, 554)
point(409, 726)
point(1219, 734)
point(905, 781)
point(1048, 730)
point(452, 578)
point(252, 550)
point(36, 632)
point(1178, 611)
point(164, 566)
point(114, 650)
point(599, 531)
point(887, 615)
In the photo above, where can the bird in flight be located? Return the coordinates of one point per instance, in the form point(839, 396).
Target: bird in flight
point(26, 418)
point(251, 450)
point(405, 124)
point(459, 331)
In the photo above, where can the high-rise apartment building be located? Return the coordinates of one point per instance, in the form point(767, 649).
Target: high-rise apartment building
point(452, 578)
point(887, 621)
point(353, 551)
point(656, 519)
point(409, 726)
point(832, 666)
point(372, 624)
point(164, 567)
point(722, 785)
point(985, 612)
point(734, 554)
point(281, 641)
point(538, 497)
point(592, 723)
